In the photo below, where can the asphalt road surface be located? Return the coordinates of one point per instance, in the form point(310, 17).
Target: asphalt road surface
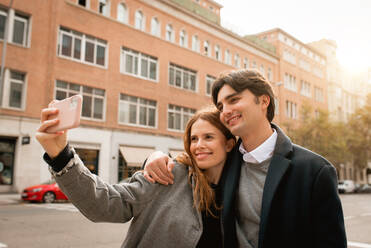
point(60, 225)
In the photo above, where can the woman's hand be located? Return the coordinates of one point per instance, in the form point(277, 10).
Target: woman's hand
point(53, 143)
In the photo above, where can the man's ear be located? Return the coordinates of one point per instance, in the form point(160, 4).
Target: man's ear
point(265, 100)
point(230, 144)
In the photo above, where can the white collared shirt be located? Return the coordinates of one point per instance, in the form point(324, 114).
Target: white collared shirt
point(262, 152)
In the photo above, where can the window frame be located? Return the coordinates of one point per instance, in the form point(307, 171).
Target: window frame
point(83, 38)
point(190, 112)
point(93, 96)
point(138, 105)
point(140, 56)
point(209, 84)
point(8, 80)
point(182, 70)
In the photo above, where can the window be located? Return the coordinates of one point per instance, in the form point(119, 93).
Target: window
point(209, 83)
point(195, 43)
point(93, 99)
point(18, 30)
point(85, 3)
point(139, 20)
point(227, 57)
point(137, 111)
point(138, 64)
point(122, 13)
point(254, 66)
point(155, 27)
point(237, 60)
point(318, 72)
point(276, 106)
point(289, 57)
point(290, 82)
point(207, 50)
point(170, 33)
point(291, 111)
point(305, 88)
point(262, 70)
point(269, 74)
point(182, 77)
point(7, 155)
point(245, 63)
point(318, 94)
point(183, 39)
point(104, 7)
point(217, 53)
point(178, 117)
point(14, 89)
point(72, 44)
point(304, 65)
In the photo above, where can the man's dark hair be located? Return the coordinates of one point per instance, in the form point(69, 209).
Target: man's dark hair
point(246, 79)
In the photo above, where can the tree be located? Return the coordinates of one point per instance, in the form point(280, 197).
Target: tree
point(359, 140)
point(322, 136)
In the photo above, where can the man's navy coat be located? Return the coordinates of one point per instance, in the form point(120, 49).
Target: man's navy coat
point(300, 205)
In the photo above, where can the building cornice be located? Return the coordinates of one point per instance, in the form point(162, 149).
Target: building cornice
point(307, 46)
point(187, 16)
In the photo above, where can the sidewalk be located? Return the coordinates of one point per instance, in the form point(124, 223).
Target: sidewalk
point(10, 198)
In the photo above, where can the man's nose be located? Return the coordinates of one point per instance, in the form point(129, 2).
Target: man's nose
point(226, 110)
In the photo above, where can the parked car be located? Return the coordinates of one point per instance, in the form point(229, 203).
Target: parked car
point(47, 192)
point(365, 188)
point(346, 186)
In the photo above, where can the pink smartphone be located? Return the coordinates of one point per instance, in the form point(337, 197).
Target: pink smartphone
point(68, 115)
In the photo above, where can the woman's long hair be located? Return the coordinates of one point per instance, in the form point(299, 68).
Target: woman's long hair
point(203, 194)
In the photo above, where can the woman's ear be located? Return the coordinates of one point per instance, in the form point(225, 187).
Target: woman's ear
point(230, 144)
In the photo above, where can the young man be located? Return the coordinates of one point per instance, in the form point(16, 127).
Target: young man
point(275, 193)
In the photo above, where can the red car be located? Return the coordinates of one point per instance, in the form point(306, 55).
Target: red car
point(47, 192)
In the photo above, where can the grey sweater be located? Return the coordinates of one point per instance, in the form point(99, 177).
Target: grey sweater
point(249, 202)
point(162, 216)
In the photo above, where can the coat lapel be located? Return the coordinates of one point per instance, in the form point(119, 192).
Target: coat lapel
point(279, 164)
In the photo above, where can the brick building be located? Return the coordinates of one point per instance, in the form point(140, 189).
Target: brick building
point(142, 66)
point(301, 76)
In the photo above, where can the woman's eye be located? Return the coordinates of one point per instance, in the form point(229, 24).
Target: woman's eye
point(193, 139)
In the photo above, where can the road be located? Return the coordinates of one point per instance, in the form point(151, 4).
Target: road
point(60, 225)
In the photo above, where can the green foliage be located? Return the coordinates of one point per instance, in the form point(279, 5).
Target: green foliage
point(359, 140)
point(197, 9)
point(322, 136)
point(337, 142)
point(261, 43)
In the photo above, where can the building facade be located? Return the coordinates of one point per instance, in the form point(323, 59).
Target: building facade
point(301, 76)
point(143, 68)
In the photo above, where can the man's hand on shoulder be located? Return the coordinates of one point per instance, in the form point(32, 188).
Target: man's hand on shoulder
point(158, 168)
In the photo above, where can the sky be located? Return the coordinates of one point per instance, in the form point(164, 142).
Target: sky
point(348, 22)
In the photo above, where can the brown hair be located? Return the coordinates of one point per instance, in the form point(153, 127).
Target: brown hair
point(243, 79)
point(203, 194)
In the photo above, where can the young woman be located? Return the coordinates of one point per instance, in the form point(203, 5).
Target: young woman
point(185, 214)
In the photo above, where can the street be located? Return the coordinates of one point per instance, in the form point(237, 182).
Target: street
point(61, 225)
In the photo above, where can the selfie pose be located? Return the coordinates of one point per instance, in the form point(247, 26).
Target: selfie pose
point(186, 214)
point(275, 193)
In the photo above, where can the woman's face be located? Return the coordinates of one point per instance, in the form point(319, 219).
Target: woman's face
point(208, 146)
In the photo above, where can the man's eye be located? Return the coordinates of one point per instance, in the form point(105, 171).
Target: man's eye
point(234, 99)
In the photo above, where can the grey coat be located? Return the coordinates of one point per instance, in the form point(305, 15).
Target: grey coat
point(162, 216)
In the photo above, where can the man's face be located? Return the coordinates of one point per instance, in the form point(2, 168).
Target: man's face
point(241, 112)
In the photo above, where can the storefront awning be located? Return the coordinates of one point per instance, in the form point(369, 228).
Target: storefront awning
point(135, 156)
